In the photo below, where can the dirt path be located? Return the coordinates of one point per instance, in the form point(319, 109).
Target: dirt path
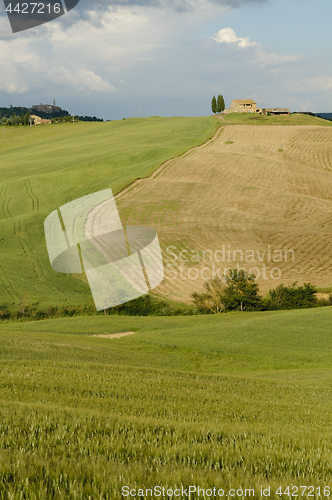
point(114, 335)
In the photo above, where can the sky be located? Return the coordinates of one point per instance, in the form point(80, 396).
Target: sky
point(125, 58)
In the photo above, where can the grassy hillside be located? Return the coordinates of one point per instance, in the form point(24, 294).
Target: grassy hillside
point(227, 401)
point(42, 168)
point(257, 119)
point(256, 197)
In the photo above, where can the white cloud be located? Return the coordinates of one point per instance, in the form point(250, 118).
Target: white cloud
point(259, 57)
point(22, 69)
point(321, 85)
point(228, 35)
point(15, 61)
point(318, 83)
point(264, 59)
point(81, 79)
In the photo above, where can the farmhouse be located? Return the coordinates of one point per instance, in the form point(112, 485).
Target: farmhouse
point(39, 121)
point(243, 106)
point(250, 106)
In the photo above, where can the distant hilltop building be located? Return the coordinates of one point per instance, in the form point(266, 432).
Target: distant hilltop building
point(45, 108)
point(250, 106)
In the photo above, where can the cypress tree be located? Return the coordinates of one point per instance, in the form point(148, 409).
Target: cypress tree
point(220, 104)
point(214, 105)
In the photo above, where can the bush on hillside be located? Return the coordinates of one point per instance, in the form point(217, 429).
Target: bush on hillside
point(242, 291)
point(292, 297)
point(142, 306)
point(148, 306)
point(237, 291)
point(212, 299)
point(4, 312)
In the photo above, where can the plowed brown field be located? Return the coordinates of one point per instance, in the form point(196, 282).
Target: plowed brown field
point(272, 208)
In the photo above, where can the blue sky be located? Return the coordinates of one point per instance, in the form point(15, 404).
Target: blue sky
point(169, 57)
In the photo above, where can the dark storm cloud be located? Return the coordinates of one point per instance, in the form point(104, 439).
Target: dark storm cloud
point(84, 6)
point(234, 4)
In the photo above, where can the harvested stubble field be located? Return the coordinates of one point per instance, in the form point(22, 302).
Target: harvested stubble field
point(263, 192)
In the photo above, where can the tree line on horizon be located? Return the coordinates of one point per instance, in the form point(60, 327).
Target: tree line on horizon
point(218, 105)
point(15, 114)
point(21, 116)
point(14, 119)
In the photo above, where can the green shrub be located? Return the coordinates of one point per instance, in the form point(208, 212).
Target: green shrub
point(292, 297)
point(4, 312)
point(212, 300)
point(237, 292)
point(242, 291)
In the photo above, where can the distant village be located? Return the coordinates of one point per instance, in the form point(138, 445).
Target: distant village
point(39, 114)
point(43, 108)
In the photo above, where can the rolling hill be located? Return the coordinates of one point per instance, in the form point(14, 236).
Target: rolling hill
point(42, 168)
point(258, 197)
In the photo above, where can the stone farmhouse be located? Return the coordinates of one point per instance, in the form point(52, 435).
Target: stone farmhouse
point(39, 121)
point(250, 106)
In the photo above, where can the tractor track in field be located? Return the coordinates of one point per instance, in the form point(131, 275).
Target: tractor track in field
point(34, 261)
point(32, 196)
point(6, 238)
point(5, 202)
point(7, 284)
point(56, 186)
point(27, 250)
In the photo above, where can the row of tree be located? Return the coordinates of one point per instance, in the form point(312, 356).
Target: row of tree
point(11, 111)
point(14, 119)
point(238, 291)
point(69, 118)
point(217, 105)
point(24, 119)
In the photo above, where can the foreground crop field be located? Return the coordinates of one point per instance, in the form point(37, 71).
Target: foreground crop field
point(257, 196)
point(226, 401)
point(42, 168)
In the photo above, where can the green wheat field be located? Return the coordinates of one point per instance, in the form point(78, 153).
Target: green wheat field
point(227, 401)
